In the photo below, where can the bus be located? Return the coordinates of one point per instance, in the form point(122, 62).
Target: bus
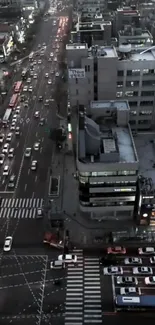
point(18, 86)
point(13, 100)
point(7, 116)
point(143, 302)
point(31, 56)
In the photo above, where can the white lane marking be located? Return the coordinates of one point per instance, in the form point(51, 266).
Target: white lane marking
point(36, 178)
point(25, 187)
point(28, 171)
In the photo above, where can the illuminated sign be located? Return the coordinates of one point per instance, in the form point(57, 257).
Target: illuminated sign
point(76, 73)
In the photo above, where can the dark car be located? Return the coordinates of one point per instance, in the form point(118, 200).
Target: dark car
point(109, 260)
point(42, 121)
point(40, 98)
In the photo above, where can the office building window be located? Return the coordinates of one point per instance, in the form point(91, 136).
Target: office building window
point(86, 68)
point(146, 103)
point(76, 80)
point(77, 92)
point(134, 103)
point(132, 83)
point(133, 113)
point(89, 81)
point(135, 72)
point(145, 113)
point(148, 83)
point(147, 93)
point(120, 73)
point(119, 94)
point(119, 84)
point(131, 93)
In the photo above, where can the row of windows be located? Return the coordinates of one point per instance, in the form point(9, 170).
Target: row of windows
point(146, 113)
point(135, 72)
point(105, 204)
point(134, 93)
point(135, 83)
point(142, 103)
point(109, 184)
point(141, 122)
point(109, 173)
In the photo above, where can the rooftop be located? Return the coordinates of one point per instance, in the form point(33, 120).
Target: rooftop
point(145, 146)
point(128, 11)
point(135, 32)
point(76, 46)
point(92, 25)
point(105, 137)
point(105, 51)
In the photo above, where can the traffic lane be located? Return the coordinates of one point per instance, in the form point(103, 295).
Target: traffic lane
point(36, 180)
point(107, 294)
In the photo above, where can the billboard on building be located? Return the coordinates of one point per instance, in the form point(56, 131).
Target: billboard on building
point(76, 73)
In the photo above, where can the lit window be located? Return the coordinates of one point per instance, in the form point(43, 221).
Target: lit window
point(119, 94)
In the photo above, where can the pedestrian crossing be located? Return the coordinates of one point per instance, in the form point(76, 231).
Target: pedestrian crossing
point(21, 208)
point(83, 292)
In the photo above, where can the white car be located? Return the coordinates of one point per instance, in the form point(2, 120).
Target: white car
point(132, 260)
point(13, 126)
point(28, 152)
point(11, 153)
point(25, 88)
point(150, 280)
point(6, 170)
point(5, 148)
point(130, 290)
point(127, 280)
point(36, 146)
point(112, 270)
point(142, 270)
point(36, 114)
point(34, 165)
point(35, 76)
point(146, 251)
point(29, 80)
point(30, 89)
point(17, 111)
point(7, 244)
point(17, 131)
point(49, 81)
point(51, 54)
point(9, 137)
point(2, 157)
point(55, 59)
point(39, 61)
point(12, 181)
point(152, 260)
point(2, 138)
point(68, 258)
point(57, 74)
point(46, 75)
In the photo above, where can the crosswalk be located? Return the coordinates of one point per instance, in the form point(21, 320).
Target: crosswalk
point(21, 208)
point(83, 292)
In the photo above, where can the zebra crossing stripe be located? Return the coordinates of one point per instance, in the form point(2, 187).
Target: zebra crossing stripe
point(20, 208)
point(21, 203)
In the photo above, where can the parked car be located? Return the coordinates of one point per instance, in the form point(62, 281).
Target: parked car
point(142, 270)
point(116, 250)
point(132, 260)
point(68, 258)
point(150, 280)
point(128, 280)
point(130, 291)
point(112, 270)
point(146, 250)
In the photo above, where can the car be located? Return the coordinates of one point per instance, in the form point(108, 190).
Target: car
point(152, 260)
point(31, 73)
point(40, 98)
point(36, 114)
point(57, 74)
point(29, 80)
point(112, 270)
point(36, 146)
point(49, 59)
point(52, 71)
point(42, 121)
point(116, 250)
point(39, 46)
point(39, 61)
point(28, 152)
point(5, 148)
point(9, 137)
point(34, 165)
point(35, 76)
point(17, 131)
point(150, 280)
point(68, 258)
point(126, 280)
point(51, 54)
point(109, 260)
point(46, 75)
point(12, 180)
point(146, 251)
point(6, 170)
point(34, 62)
point(39, 213)
point(57, 265)
point(7, 244)
point(2, 136)
point(55, 59)
point(25, 88)
point(13, 126)
point(44, 44)
point(30, 89)
point(49, 81)
point(57, 50)
point(132, 260)
point(17, 111)
point(142, 270)
point(130, 290)
point(2, 158)
point(11, 153)
point(46, 102)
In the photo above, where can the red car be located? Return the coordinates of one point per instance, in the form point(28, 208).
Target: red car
point(116, 250)
point(52, 240)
